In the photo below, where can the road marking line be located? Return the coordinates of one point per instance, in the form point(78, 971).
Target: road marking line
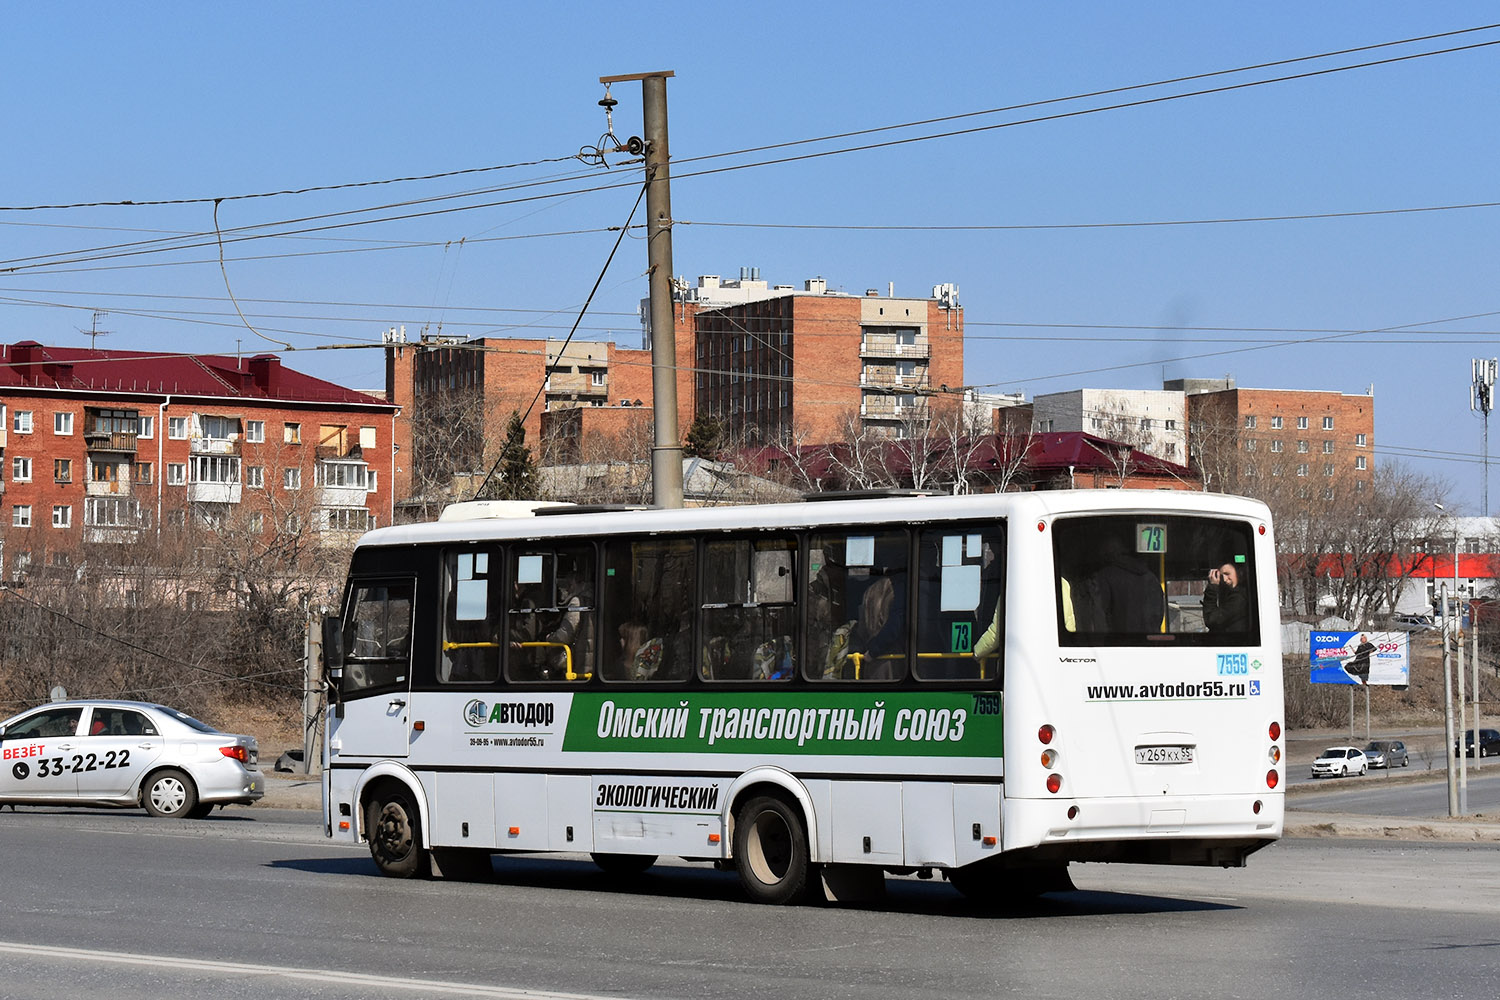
point(431, 986)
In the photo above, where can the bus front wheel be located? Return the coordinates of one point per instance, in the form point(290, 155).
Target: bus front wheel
point(395, 833)
point(770, 850)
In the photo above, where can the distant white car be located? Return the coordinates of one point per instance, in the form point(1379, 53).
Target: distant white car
point(1415, 623)
point(125, 753)
point(1337, 762)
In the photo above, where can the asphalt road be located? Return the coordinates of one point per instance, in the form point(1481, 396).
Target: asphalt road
point(255, 903)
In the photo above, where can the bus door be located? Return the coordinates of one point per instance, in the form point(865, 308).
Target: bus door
point(376, 681)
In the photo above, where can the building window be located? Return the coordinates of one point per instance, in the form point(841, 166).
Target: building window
point(148, 426)
point(1359, 440)
point(255, 476)
point(257, 522)
point(1250, 422)
point(1328, 493)
point(62, 423)
point(1276, 445)
point(596, 378)
point(62, 470)
point(217, 428)
point(348, 519)
point(1170, 425)
point(340, 474)
point(221, 469)
point(291, 433)
point(176, 474)
point(366, 437)
point(1275, 423)
point(20, 470)
point(20, 516)
point(1302, 423)
point(177, 428)
point(1327, 447)
point(111, 512)
point(1249, 472)
point(1302, 469)
point(1359, 484)
point(143, 472)
point(370, 481)
point(1328, 423)
point(291, 479)
point(22, 422)
point(1328, 469)
point(255, 431)
point(1359, 462)
point(62, 516)
point(1250, 444)
point(1302, 447)
point(176, 518)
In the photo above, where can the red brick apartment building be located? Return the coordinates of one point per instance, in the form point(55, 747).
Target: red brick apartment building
point(1253, 440)
point(99, 446)
point(773, 363)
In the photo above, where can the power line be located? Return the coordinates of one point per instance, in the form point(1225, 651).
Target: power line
point(18, 264)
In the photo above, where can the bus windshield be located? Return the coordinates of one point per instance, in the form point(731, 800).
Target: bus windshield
point(1135, 580)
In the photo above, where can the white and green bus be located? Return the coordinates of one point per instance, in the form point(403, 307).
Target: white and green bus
point(815, 694)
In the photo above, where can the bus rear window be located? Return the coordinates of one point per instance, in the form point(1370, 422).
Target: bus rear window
point(1152, 579)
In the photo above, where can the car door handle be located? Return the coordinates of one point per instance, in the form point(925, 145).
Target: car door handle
point(397, 703)
point(65, 746)
point(146, 746)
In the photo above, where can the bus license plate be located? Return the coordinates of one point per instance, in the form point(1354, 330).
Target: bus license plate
point(1163, 755)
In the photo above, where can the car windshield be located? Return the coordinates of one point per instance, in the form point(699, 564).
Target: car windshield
point(188, 720)
point(1334, 752)
point(1375, 748)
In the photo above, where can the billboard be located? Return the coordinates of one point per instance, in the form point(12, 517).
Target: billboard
point(1360, 658)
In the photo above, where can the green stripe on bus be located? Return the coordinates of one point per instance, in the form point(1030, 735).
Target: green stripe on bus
point(863, 723)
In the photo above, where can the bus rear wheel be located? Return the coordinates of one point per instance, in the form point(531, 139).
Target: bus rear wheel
point(623, 865)
point(770, 850)
point(394, 830)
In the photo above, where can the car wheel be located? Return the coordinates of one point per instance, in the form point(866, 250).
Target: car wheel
point(1344, 771)
point(1362, 770)
point(770, 850)
point(394, 829)
point(169, 794)
point(623, 865)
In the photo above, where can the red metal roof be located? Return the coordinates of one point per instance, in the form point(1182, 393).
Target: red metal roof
point(29, 365)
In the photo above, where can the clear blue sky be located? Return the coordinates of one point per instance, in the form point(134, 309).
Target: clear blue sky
point(110, 102)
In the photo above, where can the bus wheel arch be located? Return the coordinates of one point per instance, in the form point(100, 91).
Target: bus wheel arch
point(773, 781)
point(773, 838)
point(393, 821)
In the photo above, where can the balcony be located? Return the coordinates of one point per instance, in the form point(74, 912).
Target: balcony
point(887, 347)
point(570, 384)
point(214, 446)
point(115, 441)
point(213, 492)
point(106, 488)
point(114, 534)
point(885, 379)
point(877, 408)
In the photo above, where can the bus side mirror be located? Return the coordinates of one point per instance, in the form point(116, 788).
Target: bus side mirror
point(333, 648)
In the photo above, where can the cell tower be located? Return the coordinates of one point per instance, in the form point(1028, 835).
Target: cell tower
point(1482, 398)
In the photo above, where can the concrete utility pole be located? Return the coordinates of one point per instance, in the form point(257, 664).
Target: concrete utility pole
point(1448, 712)
point(666, 452)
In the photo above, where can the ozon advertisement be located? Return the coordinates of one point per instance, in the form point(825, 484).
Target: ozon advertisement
point(1360, 658)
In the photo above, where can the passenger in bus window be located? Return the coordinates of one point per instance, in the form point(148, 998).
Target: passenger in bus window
point(1226, 605)
point(1122, 594)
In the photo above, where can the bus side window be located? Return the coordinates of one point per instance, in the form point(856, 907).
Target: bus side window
point(748, 617)
point(471, 620)
point(960, 614)
point(650, 588)
point(377, 636)
point(857, 606)
point(550, 625)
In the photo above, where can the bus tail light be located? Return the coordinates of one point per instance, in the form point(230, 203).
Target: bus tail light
point(1275, 755)
point(1054, 782)
point(1049, 758)
point(1272, 778)
point(236, 752)
point(1256, 808)
point(1046, 733)
point(1275, 731)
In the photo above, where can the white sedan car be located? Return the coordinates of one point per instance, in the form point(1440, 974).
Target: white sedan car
point(1336, 762)
point(125, 753)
